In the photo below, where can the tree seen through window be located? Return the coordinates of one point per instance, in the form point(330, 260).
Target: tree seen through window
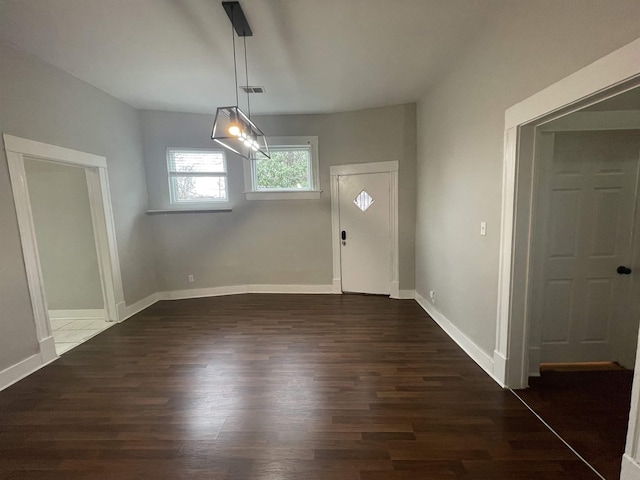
point(288, 169)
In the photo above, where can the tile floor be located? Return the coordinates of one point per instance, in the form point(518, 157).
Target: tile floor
point(71, 332)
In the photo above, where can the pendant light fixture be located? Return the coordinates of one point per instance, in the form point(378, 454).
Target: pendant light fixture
point(232, 128)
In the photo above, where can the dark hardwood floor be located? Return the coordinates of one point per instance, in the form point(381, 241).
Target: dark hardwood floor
point(273, 387)
point(589, 409)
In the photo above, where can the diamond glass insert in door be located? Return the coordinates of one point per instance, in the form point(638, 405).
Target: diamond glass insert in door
point(363, 201)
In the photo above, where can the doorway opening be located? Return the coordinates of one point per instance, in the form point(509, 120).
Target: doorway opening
point(67, 233)
point(67, 248)
point(583, 327)
point(605, 79)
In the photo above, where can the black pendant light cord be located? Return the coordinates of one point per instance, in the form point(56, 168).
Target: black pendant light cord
point(235, 67)
point(246, 71)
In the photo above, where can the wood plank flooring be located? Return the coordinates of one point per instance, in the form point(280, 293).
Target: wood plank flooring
point(589, 409)
point(273, 387)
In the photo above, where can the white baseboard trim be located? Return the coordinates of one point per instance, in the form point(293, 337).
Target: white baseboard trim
point(239, 289)
point(512, 380)
point(394, 290)
point(308, 289)
point(203, 292)
point(630, 468)
point(24, 368)
point(78, 313)
point(17, 372)
point(48, 349)
point(500, 368)
point(127, 311)
point(469, 346)
point(407, 294)
point(120, 309)
point(337, 286)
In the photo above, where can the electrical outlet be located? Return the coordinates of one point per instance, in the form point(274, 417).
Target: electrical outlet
point(190, 278)
point(483, 228)
point(432, 296)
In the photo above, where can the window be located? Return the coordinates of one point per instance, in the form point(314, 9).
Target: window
point(291, 172)
point(289, 168)
point(197, 176)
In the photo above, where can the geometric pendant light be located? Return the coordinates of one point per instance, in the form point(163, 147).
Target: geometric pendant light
point(232, 128)
point(235, 131)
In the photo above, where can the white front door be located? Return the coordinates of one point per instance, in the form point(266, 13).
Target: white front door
point(365, 252)
point(580, 301)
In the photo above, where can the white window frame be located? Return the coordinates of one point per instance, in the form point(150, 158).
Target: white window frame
point(191, 203)
point(312, 193)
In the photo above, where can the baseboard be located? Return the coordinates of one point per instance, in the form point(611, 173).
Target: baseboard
point(239, 289)
point(127, 311)
point(630, 468)
point(394, 290)
point(469, 346)
point(78, 313)
point(500, 368)
point(17, 372)
point(48, 349)
point(308, 289)
point(203, 292)
point(337, 286)
point(403, 294)
point(22, 369)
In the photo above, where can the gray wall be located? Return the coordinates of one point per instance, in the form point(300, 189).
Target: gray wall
point(274, 242)
point(40, 102)
point(64, 231)
point(525, 47)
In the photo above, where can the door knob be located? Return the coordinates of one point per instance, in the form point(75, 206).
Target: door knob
point(622, 270)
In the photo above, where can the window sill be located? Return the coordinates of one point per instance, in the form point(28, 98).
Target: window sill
point(303, 195)
point(189, 210)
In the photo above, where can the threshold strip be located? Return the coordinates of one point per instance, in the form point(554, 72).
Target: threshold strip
point(558, 435)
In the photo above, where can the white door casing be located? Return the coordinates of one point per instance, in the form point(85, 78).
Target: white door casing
point(365, 252)
point(611, 75)
point(102, 217)
point(390, 168)
point(608, 76)
point(586, 202)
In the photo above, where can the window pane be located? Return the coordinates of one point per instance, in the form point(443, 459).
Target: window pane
point(195, 161)
point(199, 189)
point(288, 169)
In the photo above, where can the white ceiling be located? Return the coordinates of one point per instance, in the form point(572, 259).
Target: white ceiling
point(311, 55)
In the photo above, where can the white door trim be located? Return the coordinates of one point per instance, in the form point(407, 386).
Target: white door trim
point(358, 169)
point(606, 77)
point(584, 121)
point(102, 217)
point(617, 72)
point(617, 67)
point(46, 151)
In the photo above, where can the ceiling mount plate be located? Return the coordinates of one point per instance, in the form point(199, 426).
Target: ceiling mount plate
point(238, 20)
